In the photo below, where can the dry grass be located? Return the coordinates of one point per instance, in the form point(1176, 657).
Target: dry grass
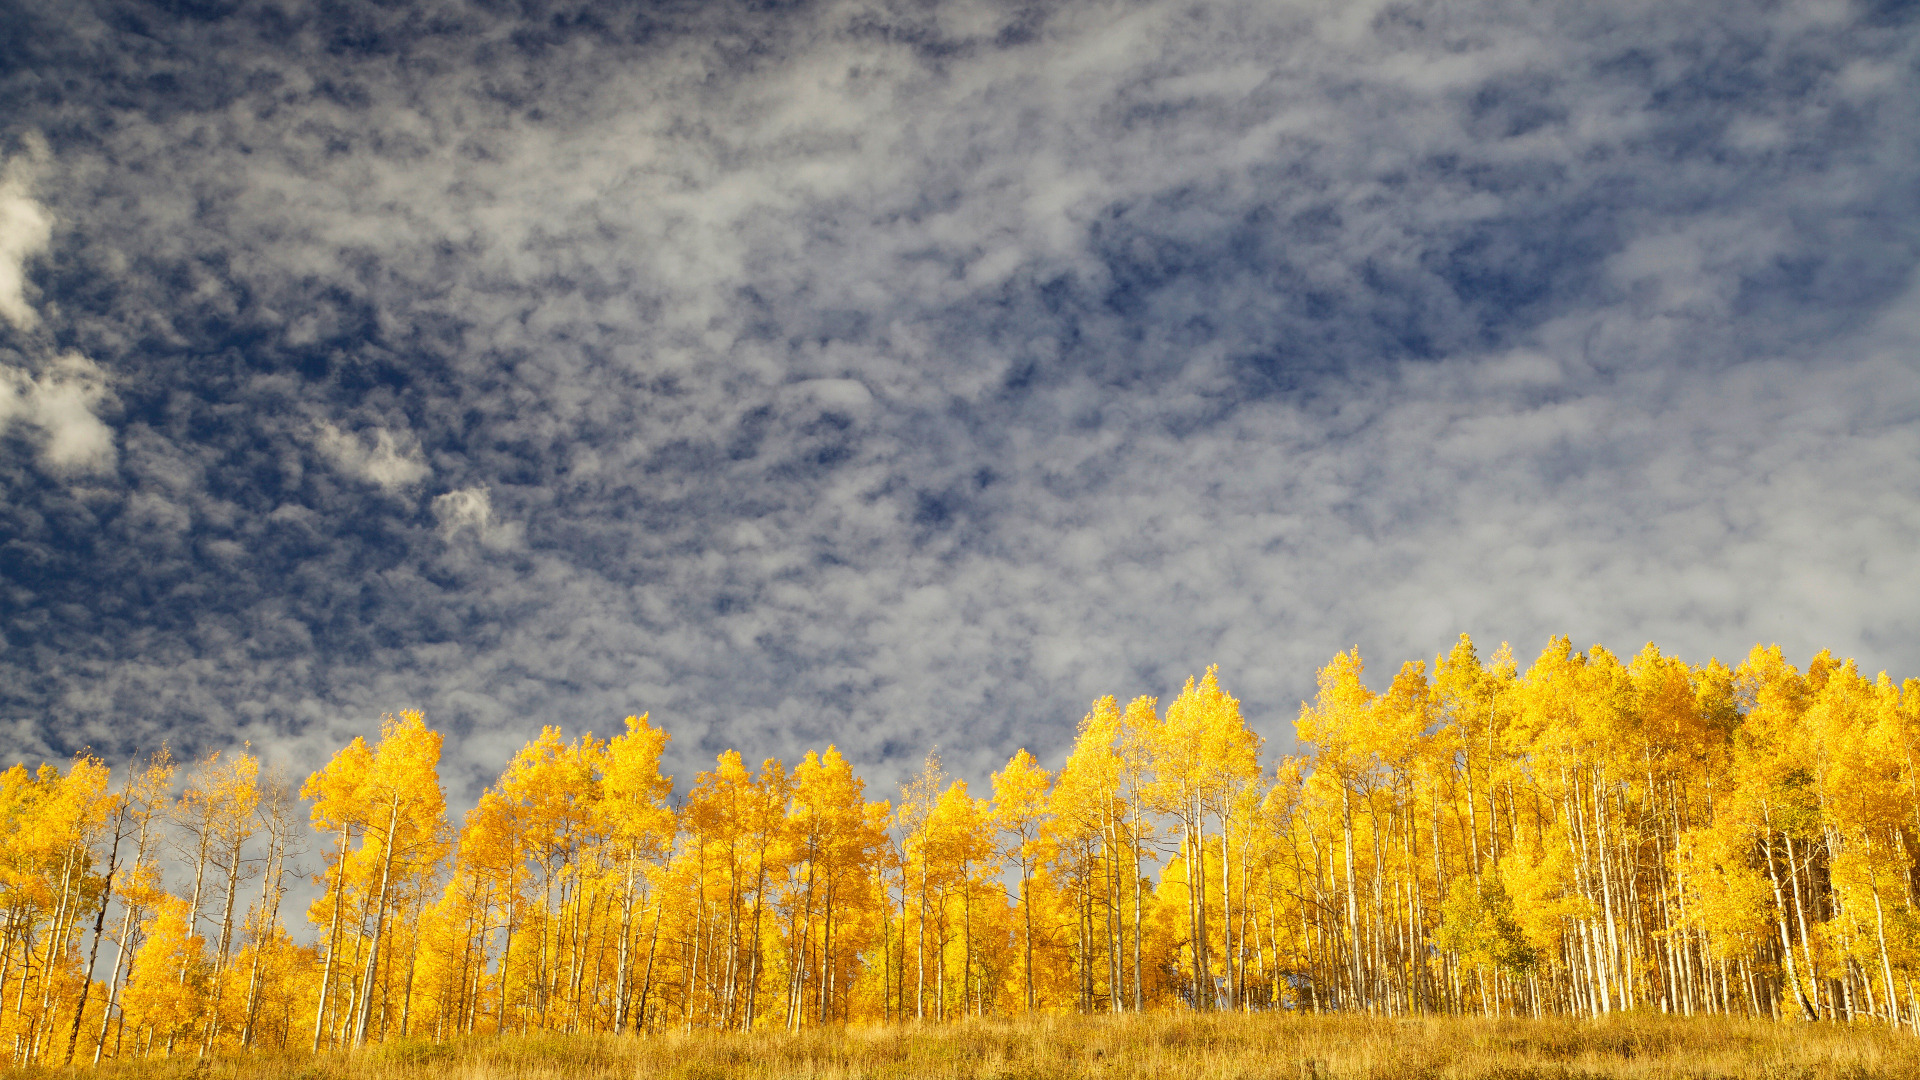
point(1156, 1047)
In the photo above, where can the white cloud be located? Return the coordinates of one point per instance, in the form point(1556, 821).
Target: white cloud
point(390, 461)
point(469, 511)
point(848, 397)
point(464, 510)
point(25, 229)
point(60, 402)
point(59, 396)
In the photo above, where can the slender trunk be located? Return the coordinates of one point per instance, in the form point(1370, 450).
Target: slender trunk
point(100, 922)
point(620, 987)
point(1226, 910)
point(379, 924)
point(920, 955)
point(506, 953)
point(1786, 943)
point(1800, 915)
point(413, 954)
point(222, 952)
point(333, 942)
point(1353, 910)
point(753, 957)
point(1026, 911)
point(1880, 927)
point(646, 983)
point(57, 935)
point(1133, 847)
point(120, 954)
point(262, 933)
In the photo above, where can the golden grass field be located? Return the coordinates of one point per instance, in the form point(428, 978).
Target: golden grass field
point(1152, 1047)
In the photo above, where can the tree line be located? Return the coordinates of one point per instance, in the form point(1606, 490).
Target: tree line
point(1584, 837)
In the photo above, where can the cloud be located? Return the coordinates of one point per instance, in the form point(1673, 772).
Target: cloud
point(884, 375)
point(25, 229)
point(389, 461)
point(61, 403)
point(469, 511)
point(60, 394)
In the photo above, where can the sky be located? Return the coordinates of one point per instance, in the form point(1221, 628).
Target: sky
point(901, 375)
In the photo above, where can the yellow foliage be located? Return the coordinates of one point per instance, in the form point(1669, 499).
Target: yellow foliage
point(1585, 837)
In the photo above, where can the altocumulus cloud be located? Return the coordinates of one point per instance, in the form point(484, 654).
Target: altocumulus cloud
point(892, 374)
point(55, 393)
point(389, 462)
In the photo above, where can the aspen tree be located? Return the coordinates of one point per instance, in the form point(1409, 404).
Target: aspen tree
point(1864, 800)
point(1202, 746)
point(1020, 806)
point(203, 819)
point(491, 845)
point(717, 811)
point(70, 814)
point(549, 786)
point(1284, 890)
point(406, 812)
point(1233, 754)
point(1140, 734)
point(339, 808)
point(1334, 728)
point(913, 818)
point(1082, 815)
point(838, 841)
point(1467, 696)
point(1775, 804)
point(27, 850)
point(768, 846)
point(633, 803)
point(158, 1000)
point(146, 800)
point(957, 856)
point(277, 820)
point(121, 811)
point(224, 798)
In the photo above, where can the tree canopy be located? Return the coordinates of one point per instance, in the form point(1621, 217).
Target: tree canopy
point(1584, 836)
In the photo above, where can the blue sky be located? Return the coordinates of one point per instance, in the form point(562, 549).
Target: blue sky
point(899, 374)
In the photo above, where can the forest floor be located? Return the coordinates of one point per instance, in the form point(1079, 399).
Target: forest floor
point(1150, 1047)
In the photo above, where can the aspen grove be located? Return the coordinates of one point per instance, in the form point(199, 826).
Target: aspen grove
point(1585, 837)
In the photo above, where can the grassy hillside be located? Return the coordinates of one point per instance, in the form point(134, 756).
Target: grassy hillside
point(1154, 1047)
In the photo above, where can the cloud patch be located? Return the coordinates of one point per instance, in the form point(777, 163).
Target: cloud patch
point(468, 512)
point(61, 402)
point(388, 461)
point(58, 394)
point(25, 229)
